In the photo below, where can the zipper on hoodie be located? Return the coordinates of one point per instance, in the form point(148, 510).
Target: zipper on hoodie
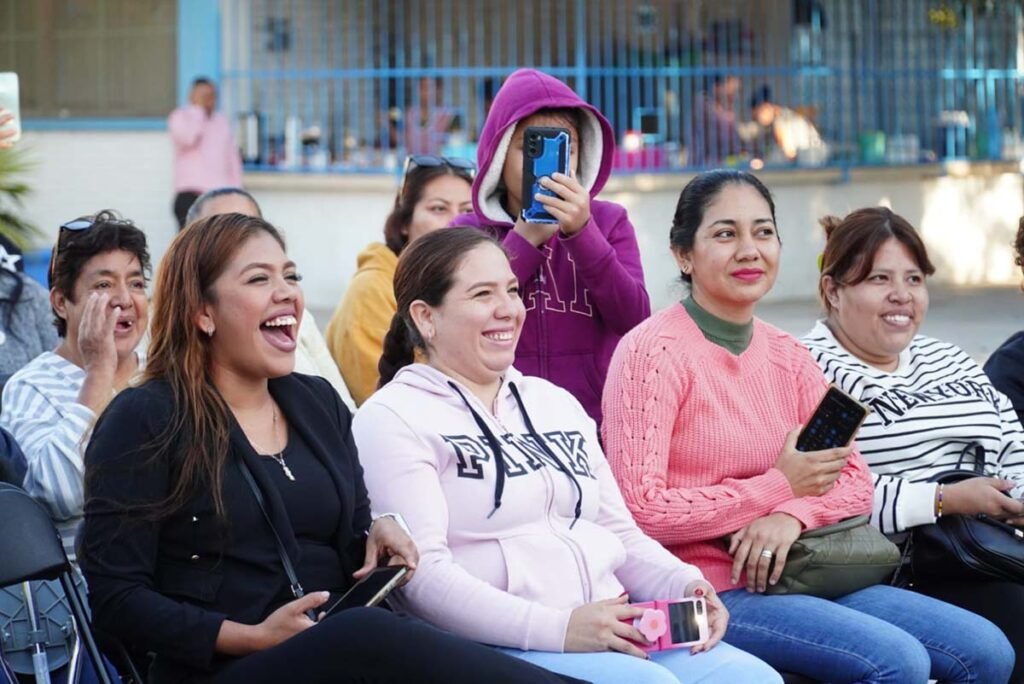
point(542, 352)
point(549, 516)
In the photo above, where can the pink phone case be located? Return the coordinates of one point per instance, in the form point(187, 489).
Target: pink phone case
point(655, 622)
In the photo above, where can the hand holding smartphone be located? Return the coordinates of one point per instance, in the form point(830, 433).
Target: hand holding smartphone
point(834, 423)
point(370, 590)
point(10, 131)
point(672, 624)
point(545, 152)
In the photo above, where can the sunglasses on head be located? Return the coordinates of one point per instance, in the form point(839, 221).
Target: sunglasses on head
point(73, 226)
point(426, 161)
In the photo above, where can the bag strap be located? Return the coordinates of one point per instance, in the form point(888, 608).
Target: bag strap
point(289, 569)
point(978, 451)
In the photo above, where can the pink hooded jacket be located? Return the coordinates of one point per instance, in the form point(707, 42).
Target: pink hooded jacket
point(516, 515)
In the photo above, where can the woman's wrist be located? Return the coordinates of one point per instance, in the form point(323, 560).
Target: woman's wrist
point(699, 588)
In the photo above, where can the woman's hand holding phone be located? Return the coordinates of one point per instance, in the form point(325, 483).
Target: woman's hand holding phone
point(774, 533)
point(537, 234)
point(288, 620)
point(810, 473)
point(7, 133)
point(570, 205)
point(388, 540)
point(599, 626)
point(717, 613)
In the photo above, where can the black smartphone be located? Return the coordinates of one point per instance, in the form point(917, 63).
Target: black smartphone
point(545, 152)
point(370, 590)
point(835, 422)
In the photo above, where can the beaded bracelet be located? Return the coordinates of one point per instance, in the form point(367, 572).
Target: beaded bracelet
point(938, 503)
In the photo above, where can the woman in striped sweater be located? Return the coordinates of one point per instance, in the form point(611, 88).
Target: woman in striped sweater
point(932, 407)
point(700, 408)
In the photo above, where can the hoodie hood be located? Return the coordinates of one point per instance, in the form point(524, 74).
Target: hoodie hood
point(523, 94)
point(377, 257)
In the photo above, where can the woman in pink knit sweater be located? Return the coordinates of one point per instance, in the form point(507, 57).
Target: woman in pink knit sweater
point(702, 408)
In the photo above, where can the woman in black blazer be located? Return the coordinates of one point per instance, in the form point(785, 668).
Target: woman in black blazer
point(180, 557)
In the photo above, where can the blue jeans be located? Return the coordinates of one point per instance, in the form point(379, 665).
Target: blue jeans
point(723, 663)
point(878, 634)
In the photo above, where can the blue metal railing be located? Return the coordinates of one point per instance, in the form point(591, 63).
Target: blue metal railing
point(354, 85)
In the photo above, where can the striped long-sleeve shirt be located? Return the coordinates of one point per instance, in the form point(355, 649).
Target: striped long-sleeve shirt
point(41, 410)
point(928, 416)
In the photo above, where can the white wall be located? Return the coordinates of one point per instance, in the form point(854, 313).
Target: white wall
point(967, 221)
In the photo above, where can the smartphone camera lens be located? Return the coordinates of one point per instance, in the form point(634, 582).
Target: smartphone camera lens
point(700, 609)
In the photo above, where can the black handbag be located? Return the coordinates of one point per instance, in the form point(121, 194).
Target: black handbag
point(964, 547)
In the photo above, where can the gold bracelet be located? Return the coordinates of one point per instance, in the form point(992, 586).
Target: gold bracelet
point(938, 503)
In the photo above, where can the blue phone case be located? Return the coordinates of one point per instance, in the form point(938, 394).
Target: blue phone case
point(545, 151)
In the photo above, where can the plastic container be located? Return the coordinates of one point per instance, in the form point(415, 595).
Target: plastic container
point(872, 147)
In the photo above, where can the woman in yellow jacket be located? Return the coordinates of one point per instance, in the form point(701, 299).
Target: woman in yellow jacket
point(434, 190)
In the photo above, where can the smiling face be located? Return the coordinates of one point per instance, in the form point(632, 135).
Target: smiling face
point(118, 274)
point(877, 318)
point(512, 173)
point(735, 254)
point(254, 312)
point(472, 334)
point(443, 198)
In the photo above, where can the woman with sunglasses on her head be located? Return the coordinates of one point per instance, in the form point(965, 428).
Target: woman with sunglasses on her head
point(433, 192)
point(98, 275)
point(221, 466)
point(702, 410)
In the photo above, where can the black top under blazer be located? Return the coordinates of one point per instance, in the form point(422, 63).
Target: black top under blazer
point(166, 586)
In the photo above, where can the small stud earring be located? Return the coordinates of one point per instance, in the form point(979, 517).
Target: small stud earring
point(209, 331)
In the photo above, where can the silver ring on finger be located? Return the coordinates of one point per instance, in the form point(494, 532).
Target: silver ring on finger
point(767, 553)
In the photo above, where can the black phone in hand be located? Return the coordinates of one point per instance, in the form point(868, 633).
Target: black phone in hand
point(834, 423)
point(370, 590)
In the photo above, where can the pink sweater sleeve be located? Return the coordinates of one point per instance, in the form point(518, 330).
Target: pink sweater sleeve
point(642, 399)
point(186, 125)
point(853, 493)
point(401, 473)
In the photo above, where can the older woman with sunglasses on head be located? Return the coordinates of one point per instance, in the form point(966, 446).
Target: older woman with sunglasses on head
point(433, 192)
point(97, 279)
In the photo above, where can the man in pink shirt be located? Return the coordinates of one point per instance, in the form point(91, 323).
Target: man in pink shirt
point(205, 153)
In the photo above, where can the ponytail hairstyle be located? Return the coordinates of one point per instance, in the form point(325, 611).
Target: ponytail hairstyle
point(198, 432)
point(851, 244)
point(426, 271)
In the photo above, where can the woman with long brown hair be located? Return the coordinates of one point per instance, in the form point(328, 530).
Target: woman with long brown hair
point(225, 483)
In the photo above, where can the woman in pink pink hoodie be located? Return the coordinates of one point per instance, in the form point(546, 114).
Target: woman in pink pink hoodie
point(525, 541)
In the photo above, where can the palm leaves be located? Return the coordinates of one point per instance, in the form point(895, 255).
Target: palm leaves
point(13, 164)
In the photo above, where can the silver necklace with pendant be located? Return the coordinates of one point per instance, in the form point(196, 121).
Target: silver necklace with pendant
point(279, 456)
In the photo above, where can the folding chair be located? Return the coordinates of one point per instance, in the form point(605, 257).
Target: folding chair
point(31, 549)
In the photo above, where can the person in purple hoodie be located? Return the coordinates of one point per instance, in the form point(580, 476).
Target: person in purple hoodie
point(581, 278)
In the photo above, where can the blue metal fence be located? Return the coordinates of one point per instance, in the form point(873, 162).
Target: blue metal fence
point(354, 85)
